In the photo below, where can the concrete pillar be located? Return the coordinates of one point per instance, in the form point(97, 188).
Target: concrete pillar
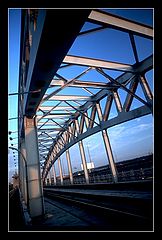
point(69, 166)
point(83, 157)
point(35, 193)
point(110, 155)
point(54, 174)
point(60, 170)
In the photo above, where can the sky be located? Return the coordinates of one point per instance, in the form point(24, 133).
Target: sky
point(128, 140)
point(13, 73)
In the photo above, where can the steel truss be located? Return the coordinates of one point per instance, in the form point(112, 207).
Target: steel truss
point(64, 120)
point(72, 131)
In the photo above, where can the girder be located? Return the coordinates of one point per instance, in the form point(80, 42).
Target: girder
point(47, 51)
point(111, 21)
point(64, 119)
point(80, 84)
point(67, 97)
point(98, 63)
point(123, 117)
point(123, 113)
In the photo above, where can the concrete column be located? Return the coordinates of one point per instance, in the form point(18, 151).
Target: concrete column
point(69, 166)
point(54, 174)
point(60, 170)
point(82, 153)
point(35, 193)
point(110, 155)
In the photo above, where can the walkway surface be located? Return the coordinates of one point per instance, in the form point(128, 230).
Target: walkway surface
point(16, 216)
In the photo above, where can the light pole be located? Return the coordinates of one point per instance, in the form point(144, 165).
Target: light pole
point(89, 154)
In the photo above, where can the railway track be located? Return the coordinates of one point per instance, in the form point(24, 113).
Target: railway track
point(112, 212)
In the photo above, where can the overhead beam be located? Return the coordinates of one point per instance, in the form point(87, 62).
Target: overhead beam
point(49, 129)
point(56, 114)
point(92, 62)
point(120, 23)
point(142, 67)
point(48, 123)
point(67, 98)
point(80, 84)
point(58, 108)
point(53, 116)
point(47, 50)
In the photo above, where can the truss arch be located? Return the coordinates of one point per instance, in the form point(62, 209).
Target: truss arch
point(73, 133)
point(69, 106)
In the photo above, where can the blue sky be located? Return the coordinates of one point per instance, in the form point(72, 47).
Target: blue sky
point(131, 139)
point(13, 70)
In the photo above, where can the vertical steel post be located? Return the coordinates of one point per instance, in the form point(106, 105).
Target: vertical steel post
point(35, 193)
point(54, 174)
point(117, 101)
point(45, 181)
point(83, 157)
point(82, 153)
point(60, 170)
point(49, 177)
point(21, 173)
point(107, 144)
point(146, 88)
point(24, 170)
point(69, 166)
point(110, 155)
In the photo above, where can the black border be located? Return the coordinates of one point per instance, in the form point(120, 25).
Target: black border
point(4, 92)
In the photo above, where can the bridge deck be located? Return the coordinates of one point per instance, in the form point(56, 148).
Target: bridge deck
point(106, 193)
point(94, 207)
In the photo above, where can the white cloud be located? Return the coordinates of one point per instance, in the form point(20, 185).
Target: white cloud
point(117, 131)
point(138, 128)
point(123, 131)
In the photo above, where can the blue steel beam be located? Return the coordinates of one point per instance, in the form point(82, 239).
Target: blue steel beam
point(55, 32)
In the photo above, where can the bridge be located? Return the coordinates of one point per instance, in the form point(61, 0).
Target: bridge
point(57, 110)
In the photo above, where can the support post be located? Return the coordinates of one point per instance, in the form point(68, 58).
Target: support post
point(21, 174)
point(35, 191)
point(49, 177)
point(60, 170)
point(83, 157)
point(45, 181)
point(110, 155)
point(54, 174)
point(23, 178)
point(69, 166)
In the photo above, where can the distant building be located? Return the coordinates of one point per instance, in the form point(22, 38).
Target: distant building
point(89, 165)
